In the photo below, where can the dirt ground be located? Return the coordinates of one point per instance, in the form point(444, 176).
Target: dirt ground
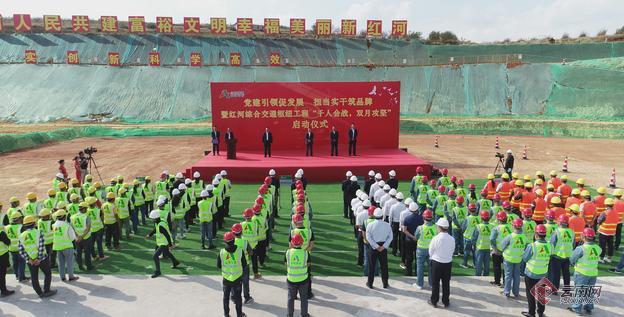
point(469, 157)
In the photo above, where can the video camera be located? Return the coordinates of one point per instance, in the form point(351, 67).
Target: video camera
point(90, 150)
point(499, 155)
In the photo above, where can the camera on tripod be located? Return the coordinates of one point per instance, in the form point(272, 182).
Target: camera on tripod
point(90, 150)
point(499, 155)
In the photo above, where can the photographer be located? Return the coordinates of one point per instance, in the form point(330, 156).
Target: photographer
point(509, 162)
point(84, 164)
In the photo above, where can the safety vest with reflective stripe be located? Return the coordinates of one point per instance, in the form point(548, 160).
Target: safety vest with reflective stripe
point(503, 232)
point(538, 264)
point(242, 244)
point(485, 204)
point(62, 241)
point(432, 194)
point(62, 196)
point(197, 187)
point(588, 263)
point(305, 233)
point(148, 190)
point(460, 213)
point(108, 209)
point(261, 223)
point(73, 209)
point(471, 224)
point(74, 190)
point(445, 181)
point(296, 265)
point(608, 226)
point(79, 222)
point(618, 206)
point(600, 206)
point(13, 232)
point(550, 228)
point(527, 200)
point(528, 227)
point(49, 203)
point(96, 220)
point(441, 199)
point(232, 264)
point(250, 233)
point(161, 240)
point(427, 232)
point(483, 238)
point(85, 187)
point(511, 217)
point(205, 208)
point(505, 190)
point(164, 213)
point(45, 227)
point(4, 248)
point(513, 252)
point(565, 242)
point(422, 194)
point(490, 188)
point(30, 209)
point(137, 194)
point(588, 211)
point(161, 189)
point(30, 240)
point(540, 209)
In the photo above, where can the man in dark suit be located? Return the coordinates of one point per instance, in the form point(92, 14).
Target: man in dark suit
point(333, 138)
point(309, 141)
point(353, 133)
point(267, 139)
point(216, 139)
point(229, 136)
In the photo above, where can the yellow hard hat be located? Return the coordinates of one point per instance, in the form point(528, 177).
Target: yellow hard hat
point(62, 185)
point(539, 192)
point(121, 191)
point(527, 178)
point(147, 178)
point(92, 190)
point(576, 191)
point(515, 175)
point(61, 205)
point(136, 182)
point(31, 196)
point(112, 195)
point(74, 181)
point(74, 197)
point(618, 192)
point(114, 180)
point(91, 200)
point(45, 212)
point(13, 200)
point(0, 204)
point(490, 176)
point(564, 177)
point(553, 173)
point(608, 202)
point(550, 186)
point(505, 176)
point(97, 185)
point(29, 219)
point(580, 181)
point(585, 193)
point(125, 185)
point(519, 182)
point(60, 213)
point(16, 215)
point(539, 181)
point(528, 185)
point(574, 208)
point(539, 173)
point(555, 200)
point(120, 179)
point(601, 190)
point(83, 205)
point(51, 192)
point(88, 177)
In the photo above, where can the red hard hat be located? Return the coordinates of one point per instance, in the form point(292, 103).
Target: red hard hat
point(297, 240)
point(444, 171)
point(506, 205)
point(452, 193)
point(248, 213)
point(237, 228)
point(496, 197)
point(428, 214)
point(263, 189)
point(472, 186)
point(527, 212)
point(259, 200)
point(551, 214)
point(502, 216)
point(419, 169)
point(425, 179)
point(541, 230)
point(267, 180)
point(256, 208)
point(298, 182)
point(371, 211)
point(441, 188)
point(460, 181)
point(453, 179)
point(517, 223)
point(228, 236)
point(301, 197)
point(484, 193)
point(564, 219)
point(300, 208)
point(471, 206)
point(460, 200)
point(297, 218)
point(485, 215)
point(432, 183)
point(589, 233)
point(163, 175)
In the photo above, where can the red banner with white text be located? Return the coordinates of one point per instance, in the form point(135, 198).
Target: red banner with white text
point(289, 109)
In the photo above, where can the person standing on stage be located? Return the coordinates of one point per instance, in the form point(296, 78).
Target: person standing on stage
point(229, 136)
point(333, 138)
point(216, 139)
point(309, 141)
point(267, 139)
point(353, 133)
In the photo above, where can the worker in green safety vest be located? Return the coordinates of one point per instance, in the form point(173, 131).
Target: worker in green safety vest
point(50, 202)
point(227, 188)
point(261, 223)
point(250, 234)
point(149, 192)
point(162, 186)
point(537, 256)
point(482, 244)
point(423, 236)
point(468, 226)
point(62, 194)
point(206, 208)
point(231, 261)
point(111, 220)
point(32, 251)
point(164, 242)
point(81, 222)
point(513, 246)
point(32, 207)
point(308, 243)
point(97, 228)
point(137, 206)
point(5, 242)
point(562, 241)
point(63, 244)
point(585, 260)
point(72, 207)
point(499, 232)
point(87, 184)
point(13, 230)
point(44, 225)
point(297, 275)
point(241, 243)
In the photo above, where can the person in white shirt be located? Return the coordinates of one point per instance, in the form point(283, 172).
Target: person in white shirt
point(395, 206)
point(388, 203)
point(356, 200)
point(402, 216)
point(360, 219)
point(441, 251)
point(382, 195)
point(378, 184)
point(379, 236)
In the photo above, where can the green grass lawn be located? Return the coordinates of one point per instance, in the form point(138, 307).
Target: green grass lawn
point(335, 253)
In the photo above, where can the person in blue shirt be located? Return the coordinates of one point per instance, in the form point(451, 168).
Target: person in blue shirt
point(410, 225)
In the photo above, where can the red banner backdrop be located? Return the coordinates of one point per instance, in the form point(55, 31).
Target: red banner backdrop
point(289, 109)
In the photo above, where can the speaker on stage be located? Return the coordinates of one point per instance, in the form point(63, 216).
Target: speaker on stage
point(231, 149)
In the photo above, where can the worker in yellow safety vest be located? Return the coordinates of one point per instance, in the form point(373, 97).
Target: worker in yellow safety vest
point(32, 250)
point(237, 230)
point(585, 260)
point(164, 242)
point(5, 242)
point(231, 261)
point(537, 256)
point(513, 246)
point(63, 244)
point(297, 274)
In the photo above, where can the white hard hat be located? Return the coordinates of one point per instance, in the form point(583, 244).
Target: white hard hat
point(364, 196)
point(509, 152)
point(353, 178)
point(392, 173)
point(413, 206)
point(59, 175)
point(300, 171)
point(399, 196)
point(442, 222)
point(378, 213)
point(378, 176)
point(298, 175)
point(358, 192)
point(161, 200)
point(349, 174)
point(165, 172)
point(218, 176)
point(408, 201)
point(223, 173)
point(371, 173)
point(366, 203)
point(386, 188)
point(381, 184)
point(204, 193)
point(272, 172)
point(196, 175)
point(209, 187)
point(175, 191)
point(181, 187)
point(179, 175)
point(188, 181)
point(215, 182)
point(393, 191)
point(154, 214)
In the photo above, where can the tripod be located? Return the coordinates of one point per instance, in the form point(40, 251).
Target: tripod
point(499, 167)
point(93, 164)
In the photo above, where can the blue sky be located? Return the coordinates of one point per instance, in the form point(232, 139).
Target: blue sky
point(476, 20)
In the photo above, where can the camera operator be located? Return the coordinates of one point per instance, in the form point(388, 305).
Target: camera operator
point(84, 165)
point(509, 162)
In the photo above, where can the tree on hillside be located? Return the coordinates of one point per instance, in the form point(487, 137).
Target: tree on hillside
point(620, 30)
point(434, 37)
point(414, 35)
point(583, 34)
point(449, 37)
point(602, 32)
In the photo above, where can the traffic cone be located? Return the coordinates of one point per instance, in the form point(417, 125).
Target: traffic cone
point(497, 146)
point(436, 141)
point(612, 180)
point(524, 154)
point(565, 165)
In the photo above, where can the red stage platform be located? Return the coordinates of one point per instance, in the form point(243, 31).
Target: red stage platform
point(252, 167)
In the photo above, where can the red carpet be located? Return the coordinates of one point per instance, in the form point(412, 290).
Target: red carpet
point(252, 167)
